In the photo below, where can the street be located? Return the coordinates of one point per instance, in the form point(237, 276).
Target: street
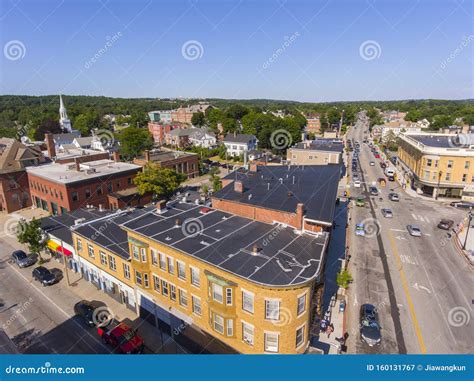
point(421, 286)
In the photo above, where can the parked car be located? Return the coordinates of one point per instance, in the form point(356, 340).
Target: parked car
point(377, 156)
point(445, 224)
point(356, 184)
point(370, 330)
point(414, 230)
point(22, 259)
point(85, 310)
point(393, 196)
point(462, 204)
point(44, 276)
point(360, 201)
point(387, 213)
point(391, 178)
point(360, 230)
point(123, 338)
point(383, 165)
point(374, 191)
point(372, 163)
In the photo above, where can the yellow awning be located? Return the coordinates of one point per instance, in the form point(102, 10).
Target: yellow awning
point(52, 245)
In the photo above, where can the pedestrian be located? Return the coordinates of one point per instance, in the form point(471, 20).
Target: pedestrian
point(330, 330)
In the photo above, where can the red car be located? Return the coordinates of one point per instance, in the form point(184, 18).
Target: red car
point(377, 156)
point(123, 338)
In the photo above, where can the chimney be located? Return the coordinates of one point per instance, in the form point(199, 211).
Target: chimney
point(253, 167)
point(161, 206)
point(299, 215)
point(78, 164)
point(239, 186)
point(116, 156)
point(147, 156)
point(50, 145)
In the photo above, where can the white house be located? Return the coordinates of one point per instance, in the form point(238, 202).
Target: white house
point(237, 144)
point(202, 137)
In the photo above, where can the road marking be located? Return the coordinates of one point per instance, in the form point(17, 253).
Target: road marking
point(406, 290)
point(414, 217)
point(398, 230)
point(408, 259)
point(400, 238)
point(418, 287)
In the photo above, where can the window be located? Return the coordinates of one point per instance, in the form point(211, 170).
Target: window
point(109, 187)
point(230, 327)
point(126, 271)
point(464, 177)
point(156, 283)
point(299, 336)
point(272, 309)
point(143, 254)
point(170, 265)
point(164, 287)
point(138, 277)
point(181, 270)
point(88, 193)
point(426, 175)
point(162, 262)
point(195, 277)
point(90, 250)
point(79, 245)
point(136, 253)
point(450, 163)
point(183, 298)
point(99, 190)
point(301, 305)
point(467, 165)
point(219, 323)
point(146, 283)
point(228, 296)
point(429, 162)
point(247, 301)
point(448, 176)
point(112, 264)
point(217, 292)
point(129, 180)
point(74, 196)
point(103, 258)
point(271, 342)
point(436, 163)
point(196, 305)
point(154, 257)
point(247, 333)
point(172, 292)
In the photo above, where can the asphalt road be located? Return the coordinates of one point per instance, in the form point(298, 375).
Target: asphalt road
point(421, 286)
point(41, 319)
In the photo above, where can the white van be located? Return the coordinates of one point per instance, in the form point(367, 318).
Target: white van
point(389, 172)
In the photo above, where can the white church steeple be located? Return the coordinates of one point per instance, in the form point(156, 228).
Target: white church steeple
point(63, 119)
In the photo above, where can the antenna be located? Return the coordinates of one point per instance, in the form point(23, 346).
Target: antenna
point(268, 186)
point(293, 179)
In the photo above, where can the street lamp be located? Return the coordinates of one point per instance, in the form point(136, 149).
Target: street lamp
point(470, 215)
point(440, 173)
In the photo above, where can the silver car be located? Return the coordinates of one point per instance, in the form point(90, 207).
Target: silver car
point(414, 230)
point(22, 259)
point(387, 213)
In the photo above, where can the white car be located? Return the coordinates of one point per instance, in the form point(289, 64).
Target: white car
point(372, 163)
point(357, 184)
point(414, 230)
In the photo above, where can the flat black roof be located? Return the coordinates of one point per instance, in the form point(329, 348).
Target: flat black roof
point(321, 145)
point(446, 141)
point(283, 187)
point(226, 241)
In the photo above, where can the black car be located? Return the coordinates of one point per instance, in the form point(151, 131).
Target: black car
point(369, 325)
point(86, 309)
point(462, 204)
point(445, 224)
point(44, 276)
point(22, 259)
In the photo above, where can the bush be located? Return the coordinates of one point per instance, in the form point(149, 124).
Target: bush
point(343, 279)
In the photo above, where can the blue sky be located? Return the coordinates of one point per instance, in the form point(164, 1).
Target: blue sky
point(299, 50)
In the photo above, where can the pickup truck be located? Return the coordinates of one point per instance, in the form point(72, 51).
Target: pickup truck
point(123, 338)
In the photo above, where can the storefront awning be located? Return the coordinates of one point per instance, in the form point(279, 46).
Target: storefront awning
point(64, 251)
point(52, 245)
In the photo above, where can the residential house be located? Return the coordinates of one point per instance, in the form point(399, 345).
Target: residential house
point(179, 137)
point(202, 137)
point(182, 162)
point(237, 144)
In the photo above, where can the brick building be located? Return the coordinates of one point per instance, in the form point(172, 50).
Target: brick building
point(181, 162)
point(316, 152)
point(14, 187)
point(158, 131)
point(185, 114)
point(66, 187)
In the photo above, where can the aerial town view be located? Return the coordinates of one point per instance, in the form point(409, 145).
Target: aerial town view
point(193, 181)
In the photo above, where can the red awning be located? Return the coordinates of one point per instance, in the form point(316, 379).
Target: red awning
point(64, 251)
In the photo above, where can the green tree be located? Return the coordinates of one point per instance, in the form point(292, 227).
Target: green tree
point(30, 234)
point(87, 122)
point(441, 121)
point(343, 278)
point(133, 141)
point(162, 182)
point(198, 119)
point(46, 125)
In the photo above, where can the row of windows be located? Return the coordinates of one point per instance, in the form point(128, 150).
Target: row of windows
point(41, 188)
point(98, 190)
point(105, 259)
point(430, 162)
point(447, 177)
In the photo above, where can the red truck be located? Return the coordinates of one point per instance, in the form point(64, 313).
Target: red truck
point(123, 338)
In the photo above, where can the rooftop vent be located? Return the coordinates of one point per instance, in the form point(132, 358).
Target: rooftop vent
point(177, 223)
point(255, 249)
point(204, 210)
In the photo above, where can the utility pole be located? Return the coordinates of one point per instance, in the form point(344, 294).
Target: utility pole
point(468, 227)
point(439, 180)
point(65, 264)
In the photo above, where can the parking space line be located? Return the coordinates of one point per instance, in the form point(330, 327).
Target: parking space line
point(406, 290)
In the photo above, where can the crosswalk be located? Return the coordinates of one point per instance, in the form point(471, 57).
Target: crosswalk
point(420, 218)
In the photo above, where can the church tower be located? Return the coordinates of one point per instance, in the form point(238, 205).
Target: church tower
point(63, 119)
